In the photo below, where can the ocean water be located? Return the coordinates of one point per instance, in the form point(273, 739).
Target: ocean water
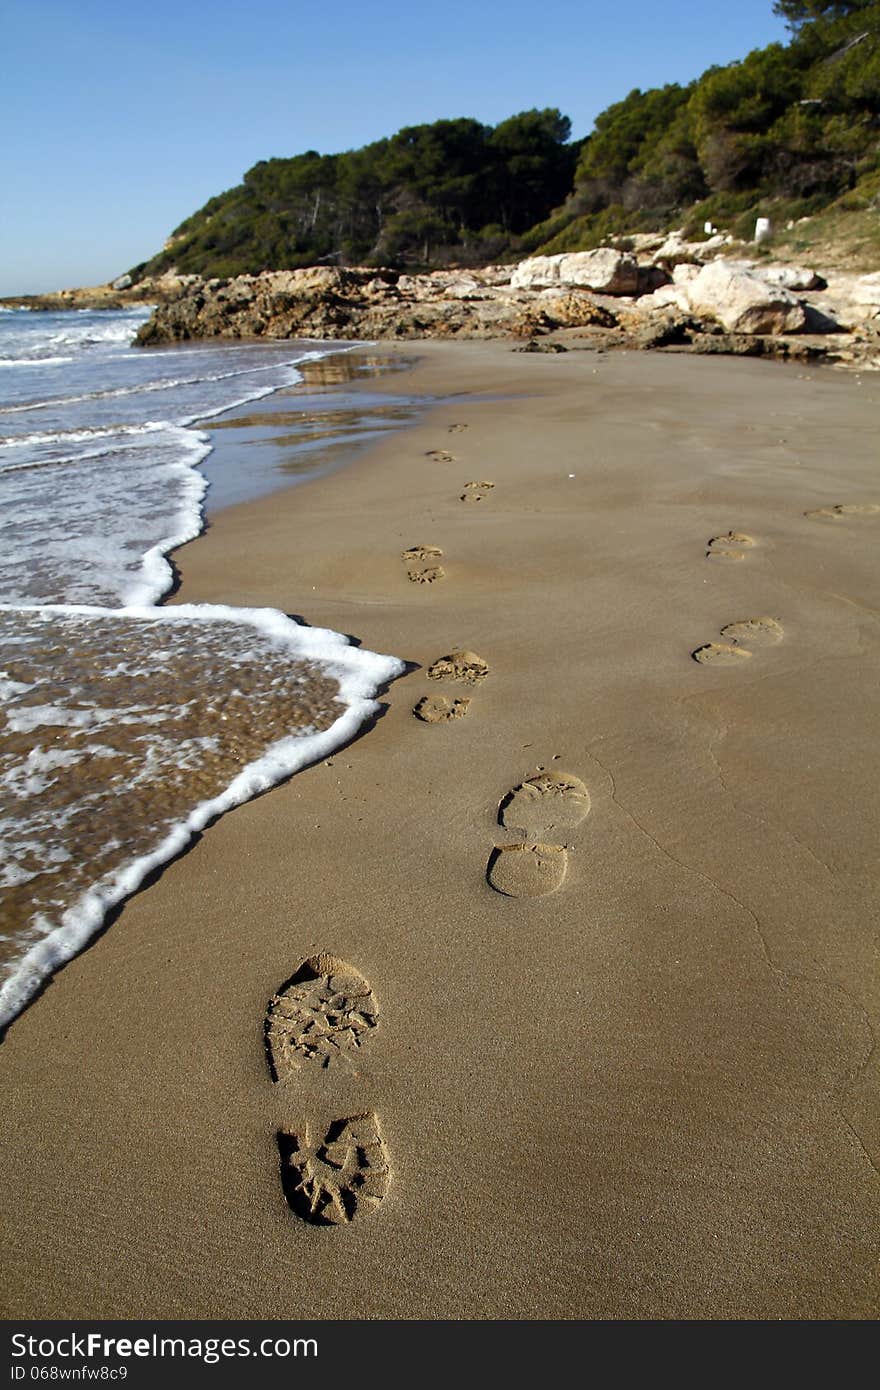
point(125, 727)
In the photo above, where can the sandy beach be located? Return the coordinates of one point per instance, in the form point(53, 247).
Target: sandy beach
point(650, 1093)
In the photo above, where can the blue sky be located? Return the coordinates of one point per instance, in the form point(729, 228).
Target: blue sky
point(119, 119)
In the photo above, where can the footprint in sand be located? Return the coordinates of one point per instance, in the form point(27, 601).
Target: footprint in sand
point(459, 666)
point(456, 429)
point(549, 802)
point(527, 871)
point(420, 564)
point(329, 1175)
point(439, 456)
point(538, 808)
point(325, 1011)
point(758, 632)
point(475, 492)
point(329, 1172)
point(720, 654)
point(732, 546)
point(844, 509)
point(436, 709)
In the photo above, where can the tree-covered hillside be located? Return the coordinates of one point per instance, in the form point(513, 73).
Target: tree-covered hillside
point(788, 130)
point(451, 190)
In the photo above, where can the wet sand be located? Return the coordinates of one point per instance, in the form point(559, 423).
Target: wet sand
point(648, 1093)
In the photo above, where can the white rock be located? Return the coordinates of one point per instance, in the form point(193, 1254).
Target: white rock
point(866, 289)
point(683, 273)
point(790, 277)
point(744, 303)
point(123, 282)
point(675, 250)
point(605, 270)
point(536, 273)
point(667, 297)
point(851, 299)
point(466, 288)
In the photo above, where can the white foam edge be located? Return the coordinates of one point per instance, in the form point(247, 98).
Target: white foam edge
point(157, 574)
point(360, 674)
point(156, 571)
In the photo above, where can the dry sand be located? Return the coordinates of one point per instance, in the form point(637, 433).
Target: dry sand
point(650, 1093)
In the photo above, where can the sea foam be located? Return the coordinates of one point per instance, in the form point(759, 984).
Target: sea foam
point(148, 739)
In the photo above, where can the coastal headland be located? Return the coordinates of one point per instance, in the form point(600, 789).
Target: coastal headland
point(591, 905)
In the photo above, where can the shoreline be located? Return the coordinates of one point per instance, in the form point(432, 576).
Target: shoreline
point(643, 1095)
point(51, 921)
point(308, 429)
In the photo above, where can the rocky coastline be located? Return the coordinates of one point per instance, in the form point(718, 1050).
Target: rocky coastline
point(656, 292)
point(653, 291)
point(110, 296)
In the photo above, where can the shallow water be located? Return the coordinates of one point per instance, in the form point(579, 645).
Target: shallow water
point(126, 727)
